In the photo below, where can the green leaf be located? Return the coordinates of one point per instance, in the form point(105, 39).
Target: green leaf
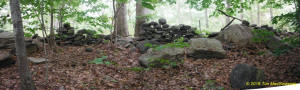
point(148, 5)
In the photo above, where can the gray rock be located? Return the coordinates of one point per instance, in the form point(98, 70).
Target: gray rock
point(5, 59)
point(165, 26)
point(199, 48)
point(162, 21)
point(141, 45)
point(206, 48)
point(88, 49)
point(7, 35)
point(243, 73)
point(275, 43)
point(124, 42)
point(173, 54)
point(237, 34)
point(7, 40)
point(246, 23)
point(37, 60)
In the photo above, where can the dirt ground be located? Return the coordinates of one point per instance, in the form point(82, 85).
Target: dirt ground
point(69, 69)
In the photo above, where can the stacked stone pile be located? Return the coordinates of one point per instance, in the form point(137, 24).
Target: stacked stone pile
point(164, 33)
point(67, 36)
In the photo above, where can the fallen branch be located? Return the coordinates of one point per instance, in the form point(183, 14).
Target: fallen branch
point(227, 24)
point(233, 18)
point(230, 16)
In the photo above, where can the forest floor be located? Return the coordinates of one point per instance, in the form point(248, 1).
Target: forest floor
point(69, 69)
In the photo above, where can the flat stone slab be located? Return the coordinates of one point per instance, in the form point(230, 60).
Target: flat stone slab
point(36, 60)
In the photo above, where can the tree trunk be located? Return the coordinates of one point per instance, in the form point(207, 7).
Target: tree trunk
point(121, 24)
point(227, 6)
point(258, 14)
point(52, 34)
point(24, 72)
point(298, 17)
point(141, 18)
point(200, 25)
point(206, 19)
point(271, 13)
point(61, 16)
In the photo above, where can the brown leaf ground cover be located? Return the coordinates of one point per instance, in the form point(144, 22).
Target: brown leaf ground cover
point(69, 69)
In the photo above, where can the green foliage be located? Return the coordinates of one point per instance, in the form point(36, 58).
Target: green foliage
point(205, 33)
point(262, 36)
point(178, 43)
point(210, 85)
point(288, 20)
point(137, 69)
point(293, 41)
point(150, 4)
point(100, 61)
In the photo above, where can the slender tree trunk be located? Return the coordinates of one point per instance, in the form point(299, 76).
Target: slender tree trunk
point(227, 6)
point(141, 18)
point(242, 13)
point(61, 16)
point(24, 72)
point(206, 19)
point(258, 14)
point(52, 34)
point(271, 13)
point(200, 25)
point(298, 17)
point(252, 16)
point(121, 24)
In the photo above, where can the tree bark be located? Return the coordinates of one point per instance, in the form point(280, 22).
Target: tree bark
point(298, 17)
point(24, 72)
point(52, 34)
point(206, 19)
point(258, 14)
point(141, 18)
point(227, 6)
point(121, 24)
point(271, 13)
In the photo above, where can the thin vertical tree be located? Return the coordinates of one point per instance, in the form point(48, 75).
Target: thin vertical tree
point(24, 72)
point(206, 19)
point(258, 14)
point(227, 6)
point(52, 34)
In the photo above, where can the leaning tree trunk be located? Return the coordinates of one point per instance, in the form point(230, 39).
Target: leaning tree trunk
point(24, 72)
point(141, 18)
point(121, 24)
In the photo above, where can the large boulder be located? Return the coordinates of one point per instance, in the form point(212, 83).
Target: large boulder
point(237, 34)
point(206, 48)
point(199, 48)
point(242, 75)
point(153, 56)
point(7, 40)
